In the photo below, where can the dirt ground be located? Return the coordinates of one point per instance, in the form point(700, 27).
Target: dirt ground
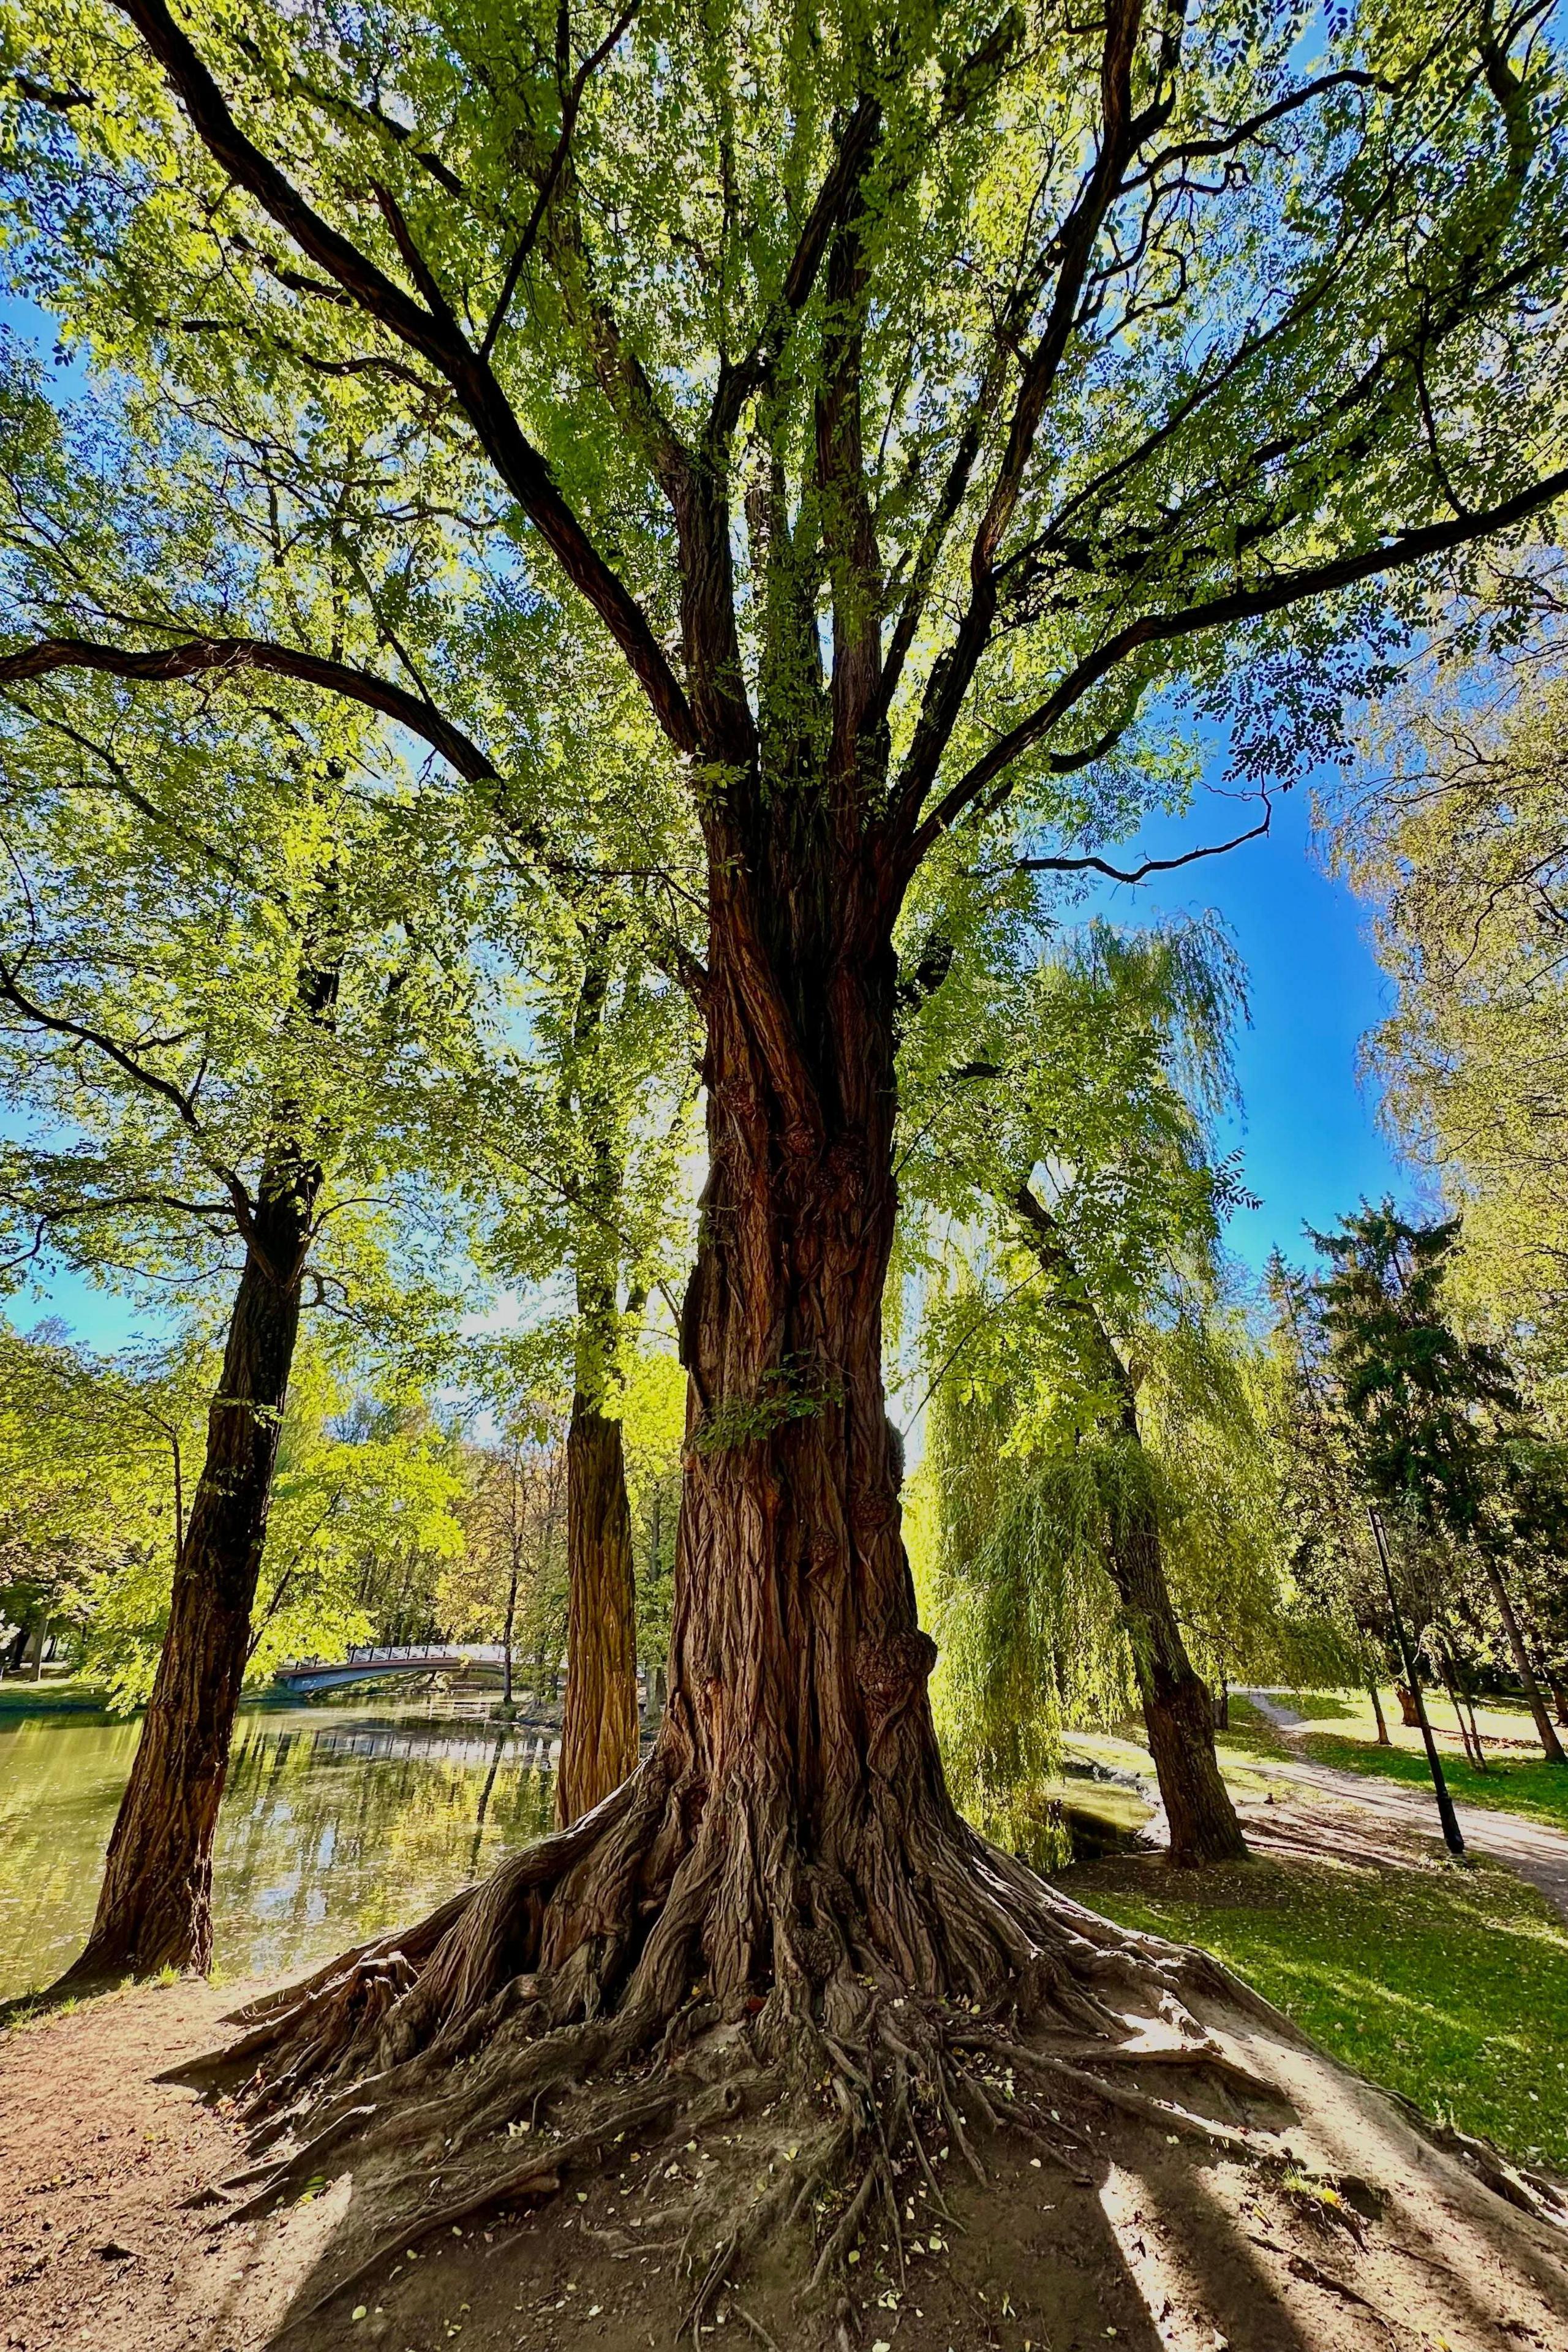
point(1146, 2241)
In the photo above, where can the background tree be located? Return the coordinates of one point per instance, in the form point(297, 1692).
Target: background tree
point(1425, 1408)
point(224, 983)
point(1067, 1110)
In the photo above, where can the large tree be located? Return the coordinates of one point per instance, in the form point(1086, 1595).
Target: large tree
point(912, 398)
point(1430, 1411)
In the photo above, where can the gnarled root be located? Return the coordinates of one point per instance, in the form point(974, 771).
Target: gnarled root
point(641, 1978)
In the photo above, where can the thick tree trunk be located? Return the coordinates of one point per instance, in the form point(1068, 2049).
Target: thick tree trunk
point(1178, 1711)
point(154, 1909)
point(599, 1734)
point(1560, 1701)
point(797, 1712)
point(1546, 1730)
point(1409, 1713)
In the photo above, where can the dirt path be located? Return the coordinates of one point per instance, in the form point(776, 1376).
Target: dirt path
point(1532, 1849)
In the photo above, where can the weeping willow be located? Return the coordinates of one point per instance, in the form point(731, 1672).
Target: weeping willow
point(1013, 1510)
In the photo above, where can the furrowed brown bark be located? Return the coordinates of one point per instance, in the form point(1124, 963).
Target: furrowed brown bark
point(154, 1909)
point(1178, 1708)
point(599, 1732)
point(798, 1711)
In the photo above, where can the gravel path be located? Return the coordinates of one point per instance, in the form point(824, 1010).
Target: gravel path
point(1532, 1849)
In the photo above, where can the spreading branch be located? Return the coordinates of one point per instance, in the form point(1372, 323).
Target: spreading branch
point(434, 333)
point(1275, 594)
point(203, 656)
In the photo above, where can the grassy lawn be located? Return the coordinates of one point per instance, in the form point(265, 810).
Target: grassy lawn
point(1449, 1985)
point(1514, 1782)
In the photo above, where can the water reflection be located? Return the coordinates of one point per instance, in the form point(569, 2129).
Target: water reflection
point(336, 1823)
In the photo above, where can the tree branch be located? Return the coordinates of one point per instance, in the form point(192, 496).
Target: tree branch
point(202, 656)
point(1272, 595)
point(436, 336)
point(82, 1032)
point(1150, 865)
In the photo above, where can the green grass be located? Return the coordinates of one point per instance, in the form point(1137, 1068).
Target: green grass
point(1449, 1985)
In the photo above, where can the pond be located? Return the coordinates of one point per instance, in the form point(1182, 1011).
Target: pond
point(341, 1818)
point(337, 1822)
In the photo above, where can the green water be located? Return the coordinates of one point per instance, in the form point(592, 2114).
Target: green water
point(341, 1820)
point(337, 1822)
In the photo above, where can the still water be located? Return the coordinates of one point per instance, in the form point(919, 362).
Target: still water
point(337, 1822)
point(341, 1819)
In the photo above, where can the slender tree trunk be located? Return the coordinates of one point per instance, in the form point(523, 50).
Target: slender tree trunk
point(1546, 1730)
point(1453, 1688)
point(1476, 1734)
point(1178, 1710)
point(507, 1632)
point(1376, 1697)
point(599, 1731)
point(154, 1909)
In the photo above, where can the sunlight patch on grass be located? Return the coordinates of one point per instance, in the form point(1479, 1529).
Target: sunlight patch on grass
point(1450, 1986)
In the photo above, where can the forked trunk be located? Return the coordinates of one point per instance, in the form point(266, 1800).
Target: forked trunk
point(599, 1732)
point(154, 1909)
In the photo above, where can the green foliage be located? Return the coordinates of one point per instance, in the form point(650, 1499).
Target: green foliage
point(1081, 1364)
point(1412, 1391)
point(88, 1450)
point(1462, 844)
point(363, 1494)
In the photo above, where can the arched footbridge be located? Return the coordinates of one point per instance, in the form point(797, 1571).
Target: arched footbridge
point(368, 1662)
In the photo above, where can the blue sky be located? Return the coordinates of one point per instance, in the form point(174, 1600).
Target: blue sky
point(1308, 1130)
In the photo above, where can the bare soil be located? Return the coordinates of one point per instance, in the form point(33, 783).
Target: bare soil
point(1340, 2226)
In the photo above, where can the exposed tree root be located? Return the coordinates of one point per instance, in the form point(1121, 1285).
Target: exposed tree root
point(639, 1979)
